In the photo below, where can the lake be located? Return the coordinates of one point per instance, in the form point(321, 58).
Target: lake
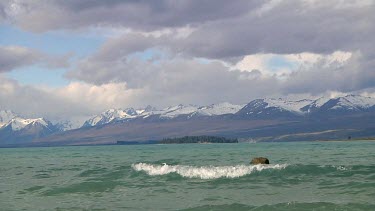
point(301, 176)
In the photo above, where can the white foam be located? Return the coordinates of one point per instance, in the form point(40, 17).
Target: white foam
point(204, 172)
point(341, 168)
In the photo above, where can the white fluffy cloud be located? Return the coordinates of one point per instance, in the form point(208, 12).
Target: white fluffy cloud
point(283, 64)
point(74, 100)
point(96, 97)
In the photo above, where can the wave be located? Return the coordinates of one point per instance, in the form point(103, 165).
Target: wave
point(204, 172)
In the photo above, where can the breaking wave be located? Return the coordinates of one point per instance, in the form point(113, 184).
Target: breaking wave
point(204, 172)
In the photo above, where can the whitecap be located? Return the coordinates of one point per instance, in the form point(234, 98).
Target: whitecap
point(341, 168)
point(204, 172)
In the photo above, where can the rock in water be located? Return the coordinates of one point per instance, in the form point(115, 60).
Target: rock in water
point(260, 160)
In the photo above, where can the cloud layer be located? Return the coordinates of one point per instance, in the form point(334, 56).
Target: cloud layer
point(142, 15)
point(170, 52)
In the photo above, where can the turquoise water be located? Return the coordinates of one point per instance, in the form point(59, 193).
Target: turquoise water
point(302, 176)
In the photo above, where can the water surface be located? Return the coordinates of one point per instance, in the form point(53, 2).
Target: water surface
point(302, 176)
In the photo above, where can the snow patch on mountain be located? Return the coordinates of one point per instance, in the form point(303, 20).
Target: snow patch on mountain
point(287, 104)
point(6, 116)
point(71, 124)
point(218, 109)
point(315, 105)
point(17, 123)
point(111, 115)
point(170, 112)
point(258, 108)
point(174, 111)
point(354, 102)
point(20, 123)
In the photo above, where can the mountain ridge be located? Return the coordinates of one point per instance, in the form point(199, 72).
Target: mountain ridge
point(267, 109)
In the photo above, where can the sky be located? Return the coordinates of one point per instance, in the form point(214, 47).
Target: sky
point(64, 59)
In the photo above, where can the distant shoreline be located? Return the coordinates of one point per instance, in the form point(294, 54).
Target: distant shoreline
point(349, 140)
point(175, 141)
point(183, 140)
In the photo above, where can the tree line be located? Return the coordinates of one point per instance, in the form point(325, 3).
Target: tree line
point(197, 139)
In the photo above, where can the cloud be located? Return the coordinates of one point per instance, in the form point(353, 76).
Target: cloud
point(79, 99)
point(288, 28)
point(174, 81)
point(13, 57)
point(168, 82)
point(2, 12)
point(122, 46)
point(283, 64)
point(357, 74)
point(271, 48)
point(71, 101)
point(143, 15)
point(169, 52)
point(180, 79)
point(222, 29)
point(98, 97)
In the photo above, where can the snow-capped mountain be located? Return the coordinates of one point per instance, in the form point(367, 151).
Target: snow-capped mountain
point(146, 112)
point(20, 123)
point(6, 116)
point(347, 104)
point(194, 110)
point(354, 109)
point(17, 129)
point(171, 112)
point(280, 107)
point(112, 115)
point(289, 105)
point(259, 108)
point(218, 109)
point(175, 111)
point(272, 107)
point(12, 121)
point(315, 105)
point(71, 124)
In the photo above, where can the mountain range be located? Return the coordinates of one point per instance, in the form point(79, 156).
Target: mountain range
point(261, 119)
